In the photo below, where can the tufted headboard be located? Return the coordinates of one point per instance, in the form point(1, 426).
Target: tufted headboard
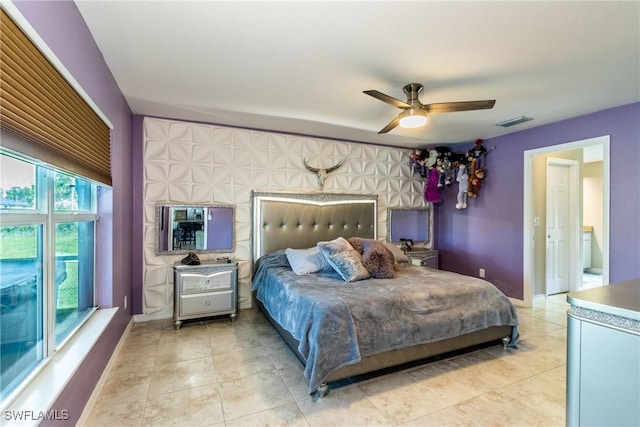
point(299, 220)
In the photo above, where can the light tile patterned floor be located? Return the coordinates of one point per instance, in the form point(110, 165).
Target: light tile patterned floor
point(219, 373)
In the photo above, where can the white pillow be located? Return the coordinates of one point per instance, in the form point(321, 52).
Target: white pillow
point(336, 245)
point(306, 261)
point(399, 256)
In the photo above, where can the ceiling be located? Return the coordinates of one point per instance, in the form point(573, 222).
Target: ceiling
point(300, 67)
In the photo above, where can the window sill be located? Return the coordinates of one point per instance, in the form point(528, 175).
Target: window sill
point(44, 389)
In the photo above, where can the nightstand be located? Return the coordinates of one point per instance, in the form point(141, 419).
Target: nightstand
point(205, 290)
point(424, 257)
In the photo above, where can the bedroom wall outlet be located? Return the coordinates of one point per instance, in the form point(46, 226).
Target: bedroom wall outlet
point(125, 302)
point(481, 274)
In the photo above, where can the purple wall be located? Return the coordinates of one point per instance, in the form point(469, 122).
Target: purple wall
point(138, 213)
point(62, 28)
point(489, 233)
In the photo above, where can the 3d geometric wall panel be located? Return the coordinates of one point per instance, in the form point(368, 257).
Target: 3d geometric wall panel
point(196, 163)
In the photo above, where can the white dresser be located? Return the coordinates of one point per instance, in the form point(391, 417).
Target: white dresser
point(205, 290)
point(603, 356)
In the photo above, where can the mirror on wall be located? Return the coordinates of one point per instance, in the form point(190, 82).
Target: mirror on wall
point(415, 224)
point(197, 228)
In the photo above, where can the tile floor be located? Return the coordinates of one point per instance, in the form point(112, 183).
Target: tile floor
point(219, 373)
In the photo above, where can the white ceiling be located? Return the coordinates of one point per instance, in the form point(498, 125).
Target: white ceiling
point(300, 67)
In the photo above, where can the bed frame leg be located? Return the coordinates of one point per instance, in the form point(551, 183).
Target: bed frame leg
point(321, 392)
point(505, 342)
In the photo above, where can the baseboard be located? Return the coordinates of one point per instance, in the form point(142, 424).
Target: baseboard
point(517, 302)
point(149, 317)
point(244, 304)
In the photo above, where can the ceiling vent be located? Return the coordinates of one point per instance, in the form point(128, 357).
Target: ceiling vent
point(514, 121)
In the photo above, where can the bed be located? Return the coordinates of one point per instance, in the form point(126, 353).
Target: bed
point(341, 324)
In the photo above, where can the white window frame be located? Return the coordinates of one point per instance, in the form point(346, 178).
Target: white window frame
point(44, 214)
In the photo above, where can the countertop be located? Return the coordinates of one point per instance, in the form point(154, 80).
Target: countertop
point(621, 299)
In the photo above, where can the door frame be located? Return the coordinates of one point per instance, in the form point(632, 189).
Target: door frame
point(528, 232)
point(575, 221)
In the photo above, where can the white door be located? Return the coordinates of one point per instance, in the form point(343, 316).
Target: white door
point(558, 226)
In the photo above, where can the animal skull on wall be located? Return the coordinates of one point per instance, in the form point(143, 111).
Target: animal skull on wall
point(322, 173)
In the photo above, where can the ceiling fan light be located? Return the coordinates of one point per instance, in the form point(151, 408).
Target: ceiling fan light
point(413, 119)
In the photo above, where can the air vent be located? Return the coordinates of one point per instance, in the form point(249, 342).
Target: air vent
point(514, 121)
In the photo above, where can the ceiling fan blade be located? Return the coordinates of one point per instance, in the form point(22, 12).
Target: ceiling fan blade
point(386, 98)
point(393, 123)
point(449, 107)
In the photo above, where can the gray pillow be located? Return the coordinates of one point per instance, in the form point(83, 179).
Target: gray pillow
point(348, 265)
point(345, 260)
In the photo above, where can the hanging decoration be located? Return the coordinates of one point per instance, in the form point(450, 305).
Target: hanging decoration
point(441, 167)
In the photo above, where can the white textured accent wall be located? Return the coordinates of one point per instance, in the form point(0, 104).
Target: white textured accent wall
point(197, 163)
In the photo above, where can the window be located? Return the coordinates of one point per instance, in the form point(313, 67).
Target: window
point(47, 259)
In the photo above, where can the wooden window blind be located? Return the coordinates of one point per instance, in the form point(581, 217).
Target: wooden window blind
point(40, 106)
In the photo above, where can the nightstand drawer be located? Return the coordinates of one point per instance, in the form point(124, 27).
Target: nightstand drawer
point(199, 282)
point(208, 303)
point(430, 261)
point(425, 258)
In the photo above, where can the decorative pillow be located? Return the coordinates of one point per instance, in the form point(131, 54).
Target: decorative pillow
point(306, 261)
point(378, 259)
point(335, 245)
point(356, 242)
point(348, 265)
point(399, 256)
point(345, 260)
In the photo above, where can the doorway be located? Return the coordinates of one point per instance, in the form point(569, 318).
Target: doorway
point(535, 215)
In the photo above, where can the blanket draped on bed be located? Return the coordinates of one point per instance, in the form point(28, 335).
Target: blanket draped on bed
point(371, 316)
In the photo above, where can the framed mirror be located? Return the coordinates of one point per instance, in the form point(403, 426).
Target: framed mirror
point(194, 227)
point(414, 224)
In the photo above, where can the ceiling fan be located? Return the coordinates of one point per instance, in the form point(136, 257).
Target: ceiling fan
point(414, 113)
